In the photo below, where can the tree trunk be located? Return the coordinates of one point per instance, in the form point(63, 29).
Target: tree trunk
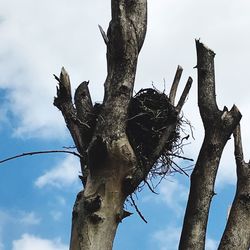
point(111, 170)
point(99, 131)
point(218, 125)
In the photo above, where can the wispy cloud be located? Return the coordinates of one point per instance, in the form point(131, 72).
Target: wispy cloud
point(174, 194)
point(65, 173)
point(32, 49)
point(168, 239)
point(29, 218)
point(31, 242)
point(211, 244)
point(4, 217)
point(56, 215)
point(16, 220)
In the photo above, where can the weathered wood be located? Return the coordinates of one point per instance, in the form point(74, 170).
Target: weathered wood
point(85, 113)
point(63, 102)
point(218, 125)
point(99, 208)
point(237, 232)
point(174, 87)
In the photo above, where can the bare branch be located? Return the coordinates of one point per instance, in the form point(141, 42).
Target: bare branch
point(63, 102)
point(237, 231)
point(184, 95)
point(150, 188)
point(40, 152)
point(84, 110)
point(175, 84)
point(137, 209)
point(182, 157)
point(180, 170)
point(206, 79)
point(219, 125)
point(238, 151)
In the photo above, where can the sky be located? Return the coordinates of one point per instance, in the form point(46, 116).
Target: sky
point(37, 38)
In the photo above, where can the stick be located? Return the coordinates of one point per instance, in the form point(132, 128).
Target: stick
point(40, 152)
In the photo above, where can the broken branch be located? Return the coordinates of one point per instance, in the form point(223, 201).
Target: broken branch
point(175, 84)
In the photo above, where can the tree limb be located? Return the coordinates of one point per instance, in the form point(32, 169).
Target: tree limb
point(175, 84)
point(184, 95)
point(218, 125)
point(237, 232)
point(85, 113)
point(40, 152)
point(63, 102)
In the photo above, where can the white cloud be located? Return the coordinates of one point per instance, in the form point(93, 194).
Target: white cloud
point(174, 194)
point(29, 218)
point(56, 215)
point(15, 220)
point(168, 239)
point(63, 174)
point(61, 200)
point(5, 220)
point(211, 244)
point(31, 242)
point(34, 47)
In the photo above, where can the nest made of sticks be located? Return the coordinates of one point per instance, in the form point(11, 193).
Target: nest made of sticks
point(150, 113)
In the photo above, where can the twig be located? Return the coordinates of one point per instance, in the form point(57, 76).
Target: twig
point(137, 210)
point(69, 147)
point(138, 115)
point(182, 157)
point(150, 188)
point(181, 170)
point(40, 152)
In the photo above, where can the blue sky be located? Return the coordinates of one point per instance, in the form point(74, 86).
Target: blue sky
point(37, 39)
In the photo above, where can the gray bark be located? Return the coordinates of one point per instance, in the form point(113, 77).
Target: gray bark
point(107, 157)
point(218, 125)
point(237, 232)
point(110, 168)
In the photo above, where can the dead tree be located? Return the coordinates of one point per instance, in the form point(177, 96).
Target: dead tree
point(114, 162)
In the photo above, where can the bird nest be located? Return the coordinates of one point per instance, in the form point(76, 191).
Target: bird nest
point(150, 114)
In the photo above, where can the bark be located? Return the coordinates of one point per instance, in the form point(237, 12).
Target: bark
point(111, 171)
point(99, 131)
point(219, 126)
point(237, 232)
